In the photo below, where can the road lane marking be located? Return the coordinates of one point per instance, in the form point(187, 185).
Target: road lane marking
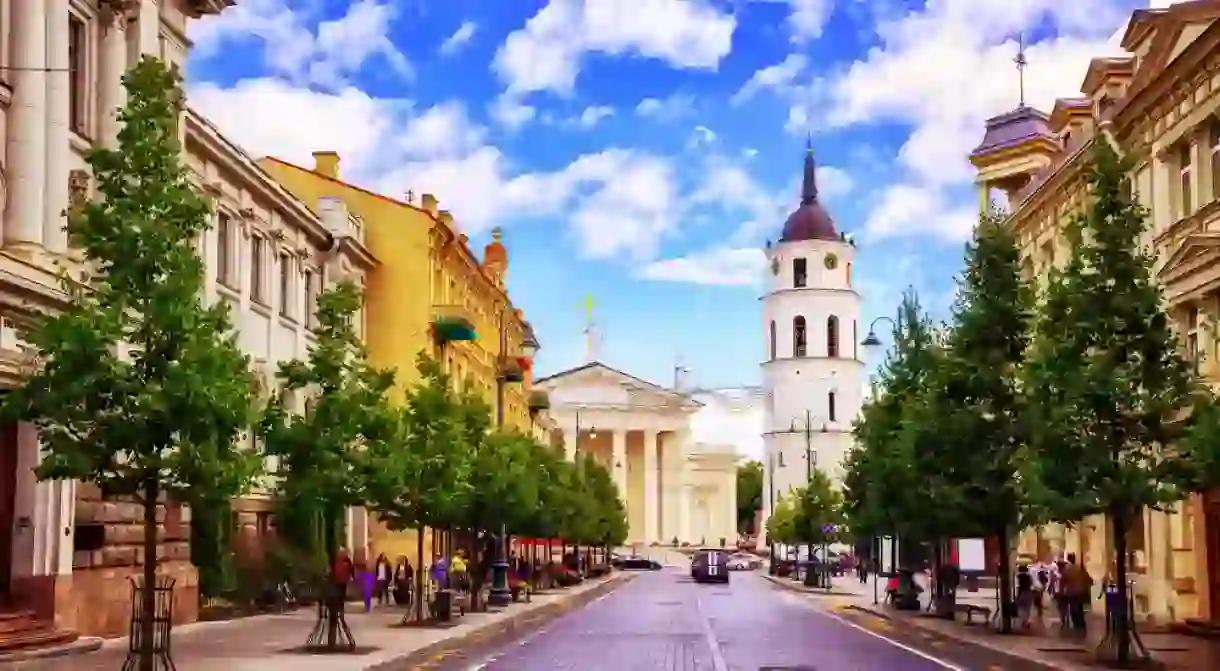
point(713, 645)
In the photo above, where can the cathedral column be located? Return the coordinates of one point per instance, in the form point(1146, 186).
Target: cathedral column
point(149, 29)
point(27, 129)
point(112, 66)
point(651, 495)
point(618, 463)
point(684, 514)
point(569, 444)
point(58, 137)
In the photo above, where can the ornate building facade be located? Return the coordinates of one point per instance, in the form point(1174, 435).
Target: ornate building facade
point(1160, 105)
point(66, 554)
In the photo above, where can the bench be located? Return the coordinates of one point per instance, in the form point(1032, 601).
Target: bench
point(971, 610)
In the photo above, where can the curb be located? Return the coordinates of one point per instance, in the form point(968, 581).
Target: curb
point(800, 589)
point(1049, 665)
point(524, 620)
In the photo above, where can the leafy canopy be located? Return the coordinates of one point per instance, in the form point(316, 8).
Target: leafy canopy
point(143, 387)
point(1106, 382)
point(749, 493)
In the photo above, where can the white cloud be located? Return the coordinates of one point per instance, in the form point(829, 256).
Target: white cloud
point(460, 38)
point(618, 202)
point(725, 266)
point(780, 75)
point(511, 113)
point(807, 17)
point(669, 108)
point(326, 56)
point(701, 136)
point(593, 115)
point(548, 53)
point(943, 71)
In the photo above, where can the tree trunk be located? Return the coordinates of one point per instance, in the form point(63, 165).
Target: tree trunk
point(1122, 624)
point(419, 573)
point(148, 595)
point(1007, 605)
point(335, 587)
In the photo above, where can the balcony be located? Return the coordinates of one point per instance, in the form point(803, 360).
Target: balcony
point(452, 323)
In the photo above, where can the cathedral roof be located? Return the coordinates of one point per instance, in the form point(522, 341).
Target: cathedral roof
point(810, 221)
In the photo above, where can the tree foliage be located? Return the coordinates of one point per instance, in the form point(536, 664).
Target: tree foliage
point(749, 494)
point(781, 525)
point(818, 510)
point(1106, 382)
point(142, 389)
point(329, 413)
point(883, 492)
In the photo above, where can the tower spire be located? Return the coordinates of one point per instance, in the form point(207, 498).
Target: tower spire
point(809, 185)
point(1022, 63)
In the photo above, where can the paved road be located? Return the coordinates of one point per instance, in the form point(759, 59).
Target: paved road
point(664, 622)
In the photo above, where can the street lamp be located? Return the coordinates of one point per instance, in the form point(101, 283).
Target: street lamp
point(810, 459)
point(871, 340)
point(500, 594)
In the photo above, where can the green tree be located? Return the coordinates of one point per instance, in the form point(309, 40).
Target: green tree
point(817, 506)
point(781, 525)
point(611, 515)
point(883, 493)
point(1106, 383)
point(749, 495)
point(977, 413)
point(329, 410)
point(165, 417)
point(424, 479)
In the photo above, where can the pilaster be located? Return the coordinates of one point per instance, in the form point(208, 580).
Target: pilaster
point(112, 64)
point(27, 128)
point(1163, 214)
point(58, 138)
point(651, 493)
point(149, 27)
point(684, 514)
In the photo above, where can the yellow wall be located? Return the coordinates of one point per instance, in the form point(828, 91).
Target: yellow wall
point(423, 264)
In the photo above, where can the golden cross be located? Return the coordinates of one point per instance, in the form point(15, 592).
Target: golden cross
point(589, 335)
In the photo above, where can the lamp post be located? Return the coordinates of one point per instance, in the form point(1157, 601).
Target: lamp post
point(810, 458)
point(872, 342)
point(771, 494)
point(500, 594)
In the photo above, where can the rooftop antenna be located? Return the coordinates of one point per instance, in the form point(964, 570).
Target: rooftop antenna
point(1022, 63)
point(591, 352)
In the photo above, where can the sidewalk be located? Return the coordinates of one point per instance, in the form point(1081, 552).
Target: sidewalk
point(271, 642)
point(1042, 644)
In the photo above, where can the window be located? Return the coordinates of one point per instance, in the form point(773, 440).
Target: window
point(849, 275)
point(832, 336)
point(1192, 339)
point(855, 340)
point(800, 273)
point(258, 292)
point(773, 340)
point(1213, 136)
point(286, 296)
point(830, 406)
point(1185, 171)
point(224, 248)
point(798, 336)
point(77, 80)
point(311, 306)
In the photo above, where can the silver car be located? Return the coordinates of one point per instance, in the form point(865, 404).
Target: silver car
point(742, 561)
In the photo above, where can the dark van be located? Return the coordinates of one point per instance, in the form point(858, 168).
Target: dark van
point(710, 566)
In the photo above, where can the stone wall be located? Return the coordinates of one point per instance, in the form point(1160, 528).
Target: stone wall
point(110, 553)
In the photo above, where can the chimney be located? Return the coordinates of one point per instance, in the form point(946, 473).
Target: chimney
point(428, 202)
point(326, 163)
point(445, 218)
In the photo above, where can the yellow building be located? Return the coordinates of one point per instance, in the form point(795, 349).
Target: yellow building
point(1159, 105)
point(430, 294)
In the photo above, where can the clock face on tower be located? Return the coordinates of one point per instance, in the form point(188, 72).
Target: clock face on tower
point(831, 262)
point(774, 266)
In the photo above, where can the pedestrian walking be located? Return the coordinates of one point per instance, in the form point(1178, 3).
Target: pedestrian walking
point(367, 580)
point(1042, 579)
point(1077, 587)
point(384, 574)
point(1025, 595)
point(403, 577)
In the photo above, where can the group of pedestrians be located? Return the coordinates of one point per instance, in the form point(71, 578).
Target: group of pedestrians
point(1065, 582)
point(383, 583)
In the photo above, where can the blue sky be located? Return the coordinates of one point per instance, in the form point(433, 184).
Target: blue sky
point(642, 151)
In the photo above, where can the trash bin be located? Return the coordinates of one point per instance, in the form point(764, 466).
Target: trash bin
point(443, 607)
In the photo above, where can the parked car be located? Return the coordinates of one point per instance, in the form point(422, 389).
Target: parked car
point(710, 566)
point(743, 561)
point(637, 563)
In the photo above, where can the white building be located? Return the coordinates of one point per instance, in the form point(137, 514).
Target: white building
point(66, 555)
point(812, 371)
point(673, 486)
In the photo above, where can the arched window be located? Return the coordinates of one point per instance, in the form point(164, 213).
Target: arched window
point(830, 406)
point(773, 340)
point(798, 336)
point(832, 336)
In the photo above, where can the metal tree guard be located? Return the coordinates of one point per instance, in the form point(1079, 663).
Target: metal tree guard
point(330, 632)
point(163, 620)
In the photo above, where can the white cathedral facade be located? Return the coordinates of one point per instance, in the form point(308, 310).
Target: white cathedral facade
point(813, 371)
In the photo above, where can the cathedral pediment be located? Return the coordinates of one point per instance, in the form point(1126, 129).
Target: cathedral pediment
point(1196, 248)
point(596, 384)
